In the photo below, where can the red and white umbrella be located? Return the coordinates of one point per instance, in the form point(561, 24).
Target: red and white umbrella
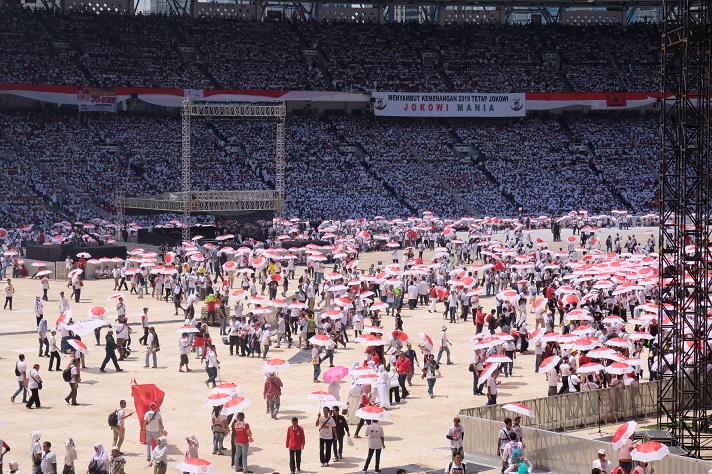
point(640, 335)
point(344, 302)
point(362, 371)
point(400, 335)
point(83, 255)
point(114, 297)
point(42, 273)
point(379, 305)
point(623, 433)
point(297, 306)
point(589, 367)
point(548, 364)
point(650, 451)
point(552, 336)
point(370, 340)
point(372, 413)
point(619, 368)
point(74, 273)
point(97, 312)
point(237, 294)
point(258, 300)
point(320, 395)
point(39, 264)
point(275, 365)
point(539, 305)
point(196, 466)
point(586, 344)
point(78, 345)
point(372, 330)
point(536, 335)
point(427, 342)
point(230, 266)
point(617, 342)
point(227, 387)
point(519, 408)
point(601, 353)
point(218, 399)
point(320, 340)
point(499, 359)
point(235, 405)
point(278, 303)
point(487, 371)
point(187, 329)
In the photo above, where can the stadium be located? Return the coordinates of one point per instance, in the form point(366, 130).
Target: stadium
point(193, 148)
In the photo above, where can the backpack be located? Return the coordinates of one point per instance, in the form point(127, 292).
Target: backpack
point(114, 418)
point(67, 374)
point(516, 454)
point(17, 372)
point(93, 467)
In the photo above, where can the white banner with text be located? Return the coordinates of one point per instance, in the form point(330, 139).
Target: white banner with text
point(426, 104)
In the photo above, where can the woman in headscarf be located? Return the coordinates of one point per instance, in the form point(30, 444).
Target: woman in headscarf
point(70, 455)
point(382, 387)
point(101, 458)
point(35, 452)
point(160, 456)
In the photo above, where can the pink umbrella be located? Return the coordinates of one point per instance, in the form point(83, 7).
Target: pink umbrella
point(519, 408)
point(548, 364)
point(623, 433)
point(334, 374)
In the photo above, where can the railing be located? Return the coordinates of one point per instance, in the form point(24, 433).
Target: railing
point(581, 409)
point(566, 453)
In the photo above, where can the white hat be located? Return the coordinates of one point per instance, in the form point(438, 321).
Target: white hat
point(602, 451)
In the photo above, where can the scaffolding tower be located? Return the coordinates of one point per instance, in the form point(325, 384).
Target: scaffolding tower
point(684, 397)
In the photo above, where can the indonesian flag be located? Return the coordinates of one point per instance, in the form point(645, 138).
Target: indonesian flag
point(616, 100)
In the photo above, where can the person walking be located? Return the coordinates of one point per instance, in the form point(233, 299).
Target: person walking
point(39, 310)
point(295, 444)
point(403, 365)
point(4, 449)
point(152, 427)
point(70, 455)
point(184, 351)
point(272, 392)
point(53, 351)
point(33, 383)
point(159, 456)
point(35, 452)
point(42, 330)
point(342, 429)
point(243, 437)
point(110, 348)
point(99, 462)
point(219, 428)
point(430, 368)
point(21, 374)
point(152, 346)
point(327, 432)
point(119, 430)
point(9, 293)
point(212, 365)
point(74, 383)
point(191, 447)
point(444, 345)
point(456, 435)
point(376, 442)
point(144, 325)
point(48, 461)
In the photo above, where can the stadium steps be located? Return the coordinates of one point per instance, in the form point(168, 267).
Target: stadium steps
point(52, 176)
point(182, 40)
point(446, 79)
point(614, 65)
point(592, 166)
point(478, 162)
point(647, 162)
point(560, 73)
point(321, 58)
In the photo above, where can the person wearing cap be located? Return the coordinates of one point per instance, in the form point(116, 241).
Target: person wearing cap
point(602, 463)
point(430, 368)
point(53, 350)
point(517, 427)
point(116, 462)
point(32, 383)
point(272, 392)
point(110, 348)
point(152, 427)
point(444, 345)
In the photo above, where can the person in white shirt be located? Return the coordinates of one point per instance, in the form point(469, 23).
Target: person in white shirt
point(63, 303)
point(212, 366)
point(33, 381)
point(590, 384)
point(602, 463)
point(48, 463)
point(9, 293)
point(376, 442)
point(21, 373)
point(327, 432)
point(552, 377)
point(120, 429)
point(444, 345)
point(265, 340)
point(152, 426)
point(184, 351)
point(456, 435)
point(53, 350)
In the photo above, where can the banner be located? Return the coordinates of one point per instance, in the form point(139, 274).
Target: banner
point(96, 99)
point(426, 104)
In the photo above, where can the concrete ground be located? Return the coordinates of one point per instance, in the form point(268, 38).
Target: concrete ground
point(415, 432)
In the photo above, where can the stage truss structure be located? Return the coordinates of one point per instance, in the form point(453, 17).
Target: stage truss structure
point(188, 201)
point(685, 395)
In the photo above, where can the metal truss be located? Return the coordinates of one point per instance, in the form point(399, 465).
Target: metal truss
point(186, 201)
point(685, 395)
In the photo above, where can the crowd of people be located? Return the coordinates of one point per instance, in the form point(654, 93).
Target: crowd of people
point(143, 51)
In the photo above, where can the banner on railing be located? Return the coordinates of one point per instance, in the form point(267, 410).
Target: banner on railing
point(96, 99)
point(422, 104)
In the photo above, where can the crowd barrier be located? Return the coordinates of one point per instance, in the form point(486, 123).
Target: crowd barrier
point(566, 453)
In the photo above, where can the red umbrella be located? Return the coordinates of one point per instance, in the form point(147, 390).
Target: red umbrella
point(426, 341)
point(623, 433)
point(519, 408)
point(399, 335)
point(97, 312)
point(548, 364)
point(372, 413)
point(650, 451)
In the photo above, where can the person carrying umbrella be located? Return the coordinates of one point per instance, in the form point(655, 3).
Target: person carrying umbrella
point(327, 432)
point(110, 348)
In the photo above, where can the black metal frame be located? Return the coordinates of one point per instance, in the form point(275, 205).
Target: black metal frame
point(684, 397)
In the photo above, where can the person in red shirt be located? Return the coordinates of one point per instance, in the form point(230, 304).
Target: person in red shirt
point(403, 366)
point(295, 445)
point(479, 320)
point(365, 402)
point(243, 438)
